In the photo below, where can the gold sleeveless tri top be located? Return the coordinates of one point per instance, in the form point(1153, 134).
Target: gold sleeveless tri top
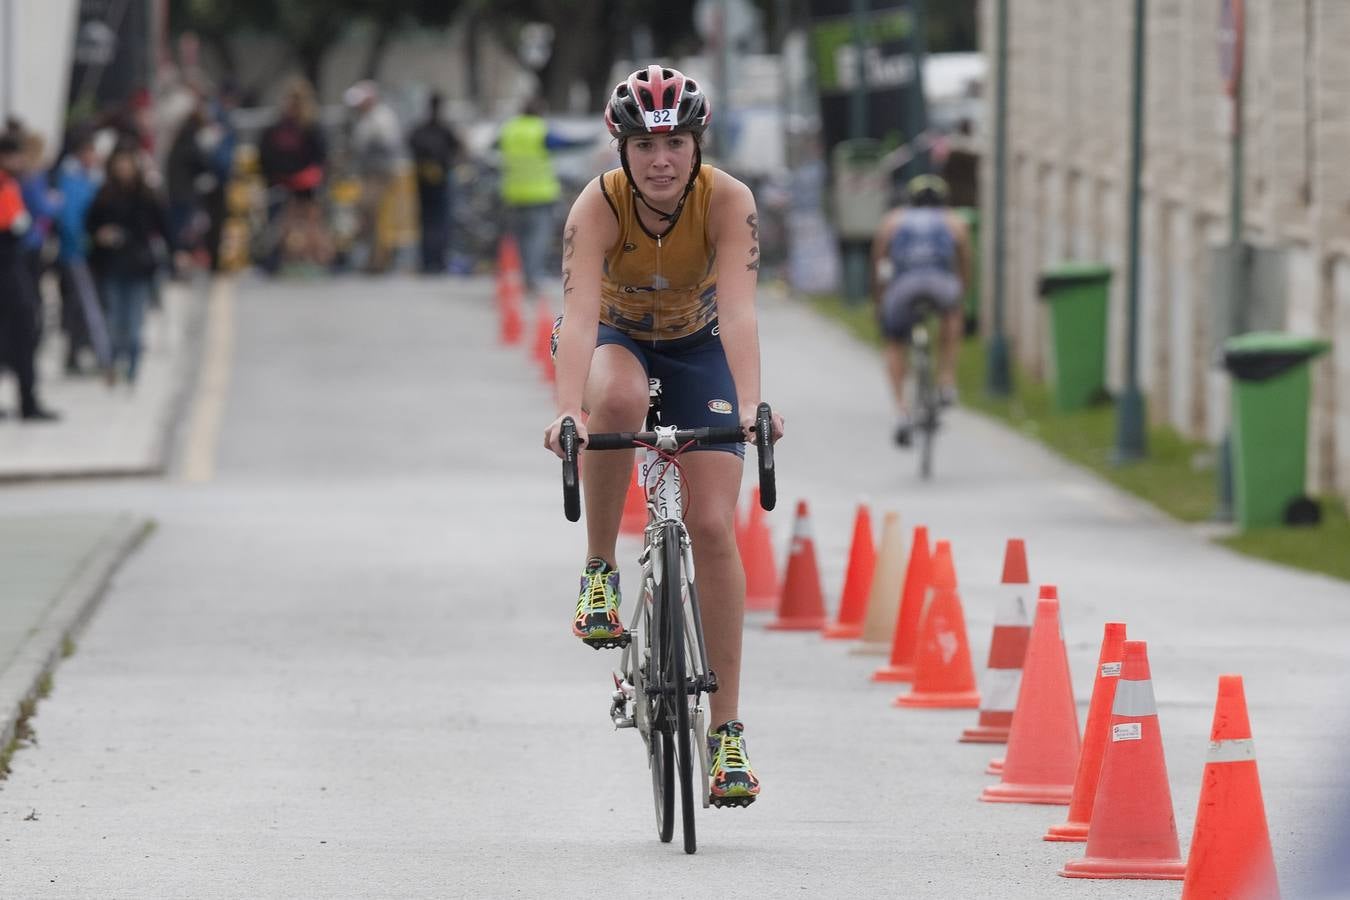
point(659, 289)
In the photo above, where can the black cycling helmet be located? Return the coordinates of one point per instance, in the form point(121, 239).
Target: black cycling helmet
point(658, 100)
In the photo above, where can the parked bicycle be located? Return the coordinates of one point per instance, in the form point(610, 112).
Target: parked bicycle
point(663, 672)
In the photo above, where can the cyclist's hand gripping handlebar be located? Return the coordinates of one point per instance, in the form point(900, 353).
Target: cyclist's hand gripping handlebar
point(768, 486)
point(567, 436)
point(763, 430)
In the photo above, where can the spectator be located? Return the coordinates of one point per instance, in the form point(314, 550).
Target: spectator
point(376, 144)
point(78, 179)
point(222, 139)
point(293, 155)
point(126, 222)
point(18, 322)
point(434, 148)
point(529, 186)
point(43, 205)
point(187, 172)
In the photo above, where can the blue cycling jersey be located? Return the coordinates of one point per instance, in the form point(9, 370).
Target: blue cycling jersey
point(923, 242)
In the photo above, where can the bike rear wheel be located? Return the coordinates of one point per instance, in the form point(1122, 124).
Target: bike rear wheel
point(927, 423)
point(672, 628)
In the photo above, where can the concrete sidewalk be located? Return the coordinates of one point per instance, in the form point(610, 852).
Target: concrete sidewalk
point(108, 431)
point(53, 570)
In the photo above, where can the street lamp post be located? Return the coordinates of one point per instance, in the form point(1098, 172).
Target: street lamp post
point(998, 378)
point(1131, 440)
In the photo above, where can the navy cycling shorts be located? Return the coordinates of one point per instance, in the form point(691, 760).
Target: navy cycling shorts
point(696, 384)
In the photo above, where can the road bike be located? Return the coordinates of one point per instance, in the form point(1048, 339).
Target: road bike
point(927, 400)
point(664, 674)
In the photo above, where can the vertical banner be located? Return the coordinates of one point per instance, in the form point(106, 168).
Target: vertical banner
point(895, 108)
point(114, 54)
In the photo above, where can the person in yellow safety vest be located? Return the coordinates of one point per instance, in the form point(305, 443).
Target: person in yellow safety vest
point(529, 185)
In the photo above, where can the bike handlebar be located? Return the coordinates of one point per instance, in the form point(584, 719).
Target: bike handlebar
point(627, 440)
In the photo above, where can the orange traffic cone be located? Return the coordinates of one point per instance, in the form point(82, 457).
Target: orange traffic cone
point(511, 325)
point(543, 338)
point(905, 634)
point(1094, 738)
point(761, 572)
point(1007, 650)
point(801, 608)
point(1230, 849)
point(1043, 743)
point(634, 519)
point(1133, 832)
point(889, 576)
point(862, 559)
point(943, 674)
point(995, 766)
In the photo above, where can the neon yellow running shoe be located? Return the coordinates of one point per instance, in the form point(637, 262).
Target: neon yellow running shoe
point(597, 619)
point(733, 782)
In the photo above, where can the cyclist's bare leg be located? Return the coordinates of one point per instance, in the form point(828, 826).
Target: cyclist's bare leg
point(714, 478)
point(953, 326)
point(617, 399)
point(897, 363)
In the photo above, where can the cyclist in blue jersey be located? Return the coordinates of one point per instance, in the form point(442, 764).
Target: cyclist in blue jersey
point(920, 252)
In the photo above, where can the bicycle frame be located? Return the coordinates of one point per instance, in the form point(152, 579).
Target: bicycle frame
point(665, 516)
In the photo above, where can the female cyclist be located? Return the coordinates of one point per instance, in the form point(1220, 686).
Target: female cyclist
point(660, 262)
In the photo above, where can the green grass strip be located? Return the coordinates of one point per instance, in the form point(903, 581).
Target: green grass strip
point(1177, 476)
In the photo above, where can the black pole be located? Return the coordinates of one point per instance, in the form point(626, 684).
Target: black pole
point(1131, 439)
point(998, 376)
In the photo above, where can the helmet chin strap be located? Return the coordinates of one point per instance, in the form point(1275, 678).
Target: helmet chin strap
point(673, 216)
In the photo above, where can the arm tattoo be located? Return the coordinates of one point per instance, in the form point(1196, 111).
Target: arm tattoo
point(567, 282)
point(569, 242)
point(753, 221)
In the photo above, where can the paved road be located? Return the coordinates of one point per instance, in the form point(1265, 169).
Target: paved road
point(340, 667)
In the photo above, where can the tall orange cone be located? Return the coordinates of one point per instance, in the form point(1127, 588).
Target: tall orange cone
point(905, 634)
point(802, 607)
point(634, 519)
point(995, 766)
point(761, 572)
point(943, 674)
point(1134, 831)
point(1007, 650)
point(511, 325)
point(893, 580)
point(862, 559)
point(543, 338)
point(1230, 849)
point(1094, 737)
point(1044, 742)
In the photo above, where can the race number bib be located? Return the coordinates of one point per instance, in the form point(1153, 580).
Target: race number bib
point(659, 117)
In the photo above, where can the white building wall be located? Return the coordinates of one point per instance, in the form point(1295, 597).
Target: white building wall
point(1070, 81)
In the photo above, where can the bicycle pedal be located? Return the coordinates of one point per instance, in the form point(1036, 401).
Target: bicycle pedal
point(731, 802)
point(608, 643)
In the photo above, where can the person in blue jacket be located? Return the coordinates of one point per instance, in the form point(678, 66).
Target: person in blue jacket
point(78, 179)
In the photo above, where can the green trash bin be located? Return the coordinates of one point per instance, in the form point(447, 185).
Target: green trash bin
point(972, 302)
point(1077, 294)
point(1270, 426)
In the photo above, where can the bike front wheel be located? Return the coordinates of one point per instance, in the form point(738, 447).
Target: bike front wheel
point(677, 669)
